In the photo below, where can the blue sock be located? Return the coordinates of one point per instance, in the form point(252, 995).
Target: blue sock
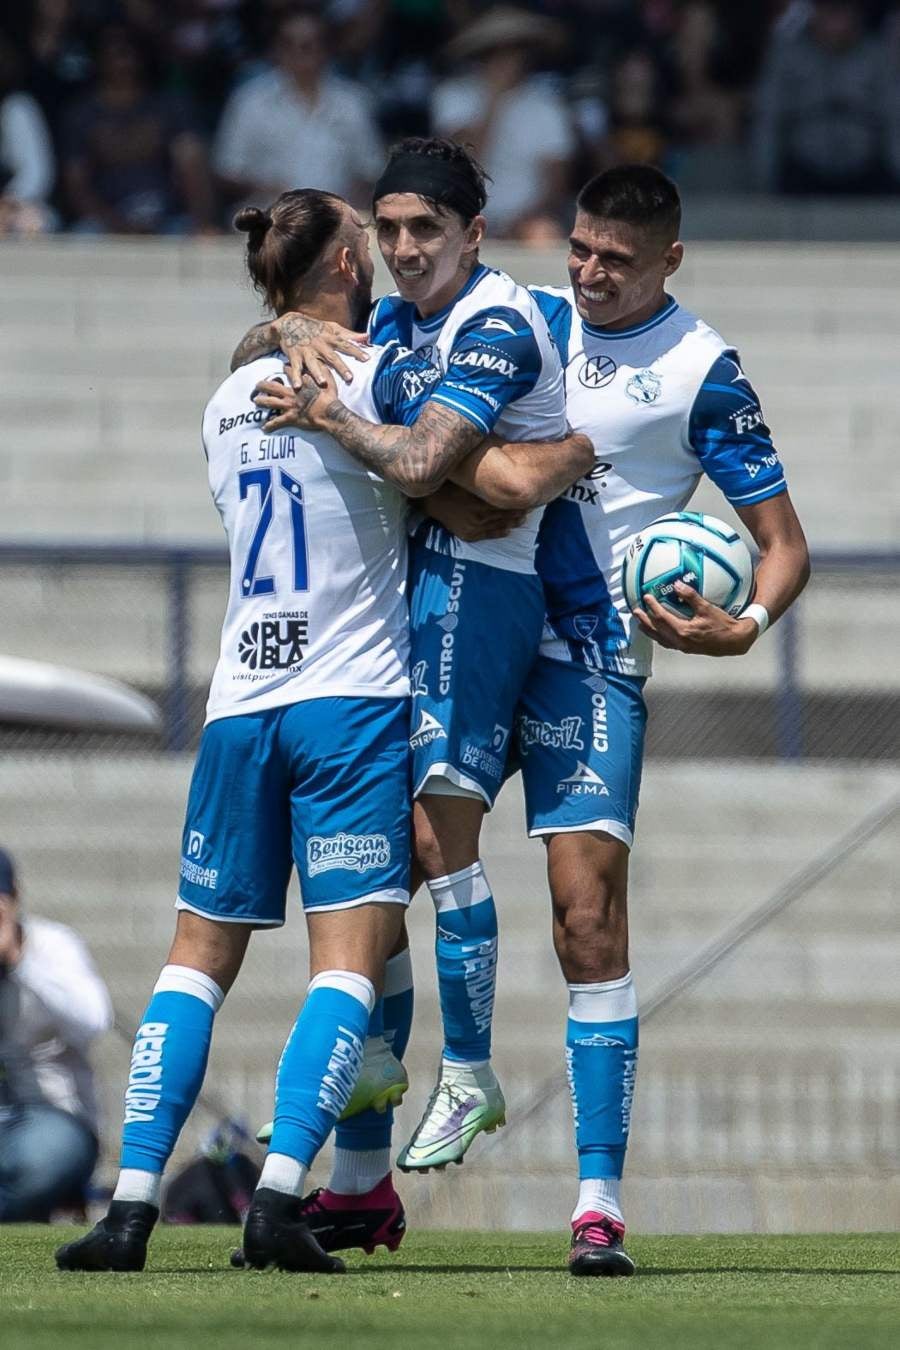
point(320, 1063)
point(168, 1063)
point(372, 1129)
point(601, 1058)
point(466, 949)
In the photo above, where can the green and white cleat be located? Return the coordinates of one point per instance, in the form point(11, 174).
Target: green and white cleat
point(464, 1103)
point(382, 1082)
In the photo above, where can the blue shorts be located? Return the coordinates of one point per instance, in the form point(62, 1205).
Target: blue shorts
point(580, 743)
point(475, 634)
point(323, 784)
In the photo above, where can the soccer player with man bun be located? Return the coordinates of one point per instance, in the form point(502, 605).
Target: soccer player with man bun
point(303, 760)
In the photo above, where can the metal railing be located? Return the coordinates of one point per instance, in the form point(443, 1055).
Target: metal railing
point(179, 562)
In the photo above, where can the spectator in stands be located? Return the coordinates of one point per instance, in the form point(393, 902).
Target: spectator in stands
point(27, 167)
point(50, 35)
point(134, 163)
point(517, 126)
point(828, 116)
point(298, 125)
point(637, 132)
point(53, 1004)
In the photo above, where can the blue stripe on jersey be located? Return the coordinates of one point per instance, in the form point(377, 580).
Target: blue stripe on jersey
point(579, 607)
point(391, 318)
point(401, 385)
point(730, 438)
point(558, 315)
point(494, 361)
point(617, 334)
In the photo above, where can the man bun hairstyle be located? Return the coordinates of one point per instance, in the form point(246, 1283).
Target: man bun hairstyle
point(286, 241)
point(444, 173)
point(637, 194)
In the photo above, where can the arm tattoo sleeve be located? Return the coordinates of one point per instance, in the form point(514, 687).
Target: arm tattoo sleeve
point(417, 458)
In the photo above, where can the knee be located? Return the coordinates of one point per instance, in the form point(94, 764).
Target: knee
point(591, 930)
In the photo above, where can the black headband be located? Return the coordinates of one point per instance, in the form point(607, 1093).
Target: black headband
point(440, 180)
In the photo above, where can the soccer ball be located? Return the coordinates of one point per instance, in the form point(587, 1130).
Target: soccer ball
point(699, 550)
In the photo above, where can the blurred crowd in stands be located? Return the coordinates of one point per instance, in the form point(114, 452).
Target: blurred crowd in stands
point(162, 116)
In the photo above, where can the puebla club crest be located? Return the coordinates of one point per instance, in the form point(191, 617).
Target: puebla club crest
point(644, 387)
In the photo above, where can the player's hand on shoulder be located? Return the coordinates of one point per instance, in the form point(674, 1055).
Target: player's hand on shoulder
point(313, 347)
point(467, 516)
point(709, 631)
point(305, 406)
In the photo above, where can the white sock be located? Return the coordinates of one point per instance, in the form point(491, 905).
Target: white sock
point(135, 1184)
point(599, 1195)
point(354, 1173)
point(281, 1173)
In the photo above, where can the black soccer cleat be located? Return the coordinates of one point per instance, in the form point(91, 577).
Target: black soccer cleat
point(117, 1242)
point(598, 1247)
point(341, 1221)
point(276, 1234)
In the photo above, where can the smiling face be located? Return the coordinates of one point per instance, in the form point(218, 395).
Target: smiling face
point(618, 271)
point(429, 252)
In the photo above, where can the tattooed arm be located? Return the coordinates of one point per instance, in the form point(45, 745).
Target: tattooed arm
point(520, 476)
point(310, 345)
point(261, 339)
point(416, 459)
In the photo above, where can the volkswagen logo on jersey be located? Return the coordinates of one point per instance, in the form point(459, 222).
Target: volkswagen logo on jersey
point(597, 372)
point(644, 387)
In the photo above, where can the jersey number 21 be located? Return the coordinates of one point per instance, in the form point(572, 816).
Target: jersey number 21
point(270, 500)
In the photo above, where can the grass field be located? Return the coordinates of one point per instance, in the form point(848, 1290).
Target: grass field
point(482, 1291)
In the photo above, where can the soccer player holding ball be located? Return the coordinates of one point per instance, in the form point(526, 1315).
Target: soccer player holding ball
point(663, 399)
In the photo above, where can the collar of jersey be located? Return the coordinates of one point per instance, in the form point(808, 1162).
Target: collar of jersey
point(617, 333)
point(435, 320)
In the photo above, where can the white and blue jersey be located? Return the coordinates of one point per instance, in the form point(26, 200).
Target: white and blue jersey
point(304, 757)
point(663, 403)
point(495, 365)
point(476, 610)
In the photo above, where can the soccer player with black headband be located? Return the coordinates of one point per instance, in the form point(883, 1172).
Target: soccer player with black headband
point(495, 371)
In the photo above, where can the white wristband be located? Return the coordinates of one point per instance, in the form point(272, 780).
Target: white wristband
point(760, 616)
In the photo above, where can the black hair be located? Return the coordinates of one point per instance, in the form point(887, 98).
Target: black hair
point(466, 169)
point(286, 241)
point(637, 194)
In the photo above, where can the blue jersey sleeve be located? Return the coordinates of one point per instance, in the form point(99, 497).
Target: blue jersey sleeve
point(495, 360)
point(730, 438)
point(558, 315)
point(401, 386)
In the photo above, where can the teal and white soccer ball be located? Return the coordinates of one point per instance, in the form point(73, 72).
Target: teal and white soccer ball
point(699, 550)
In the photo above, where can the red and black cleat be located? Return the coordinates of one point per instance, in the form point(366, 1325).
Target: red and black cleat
point(341, 1221)
point(598, 1247)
